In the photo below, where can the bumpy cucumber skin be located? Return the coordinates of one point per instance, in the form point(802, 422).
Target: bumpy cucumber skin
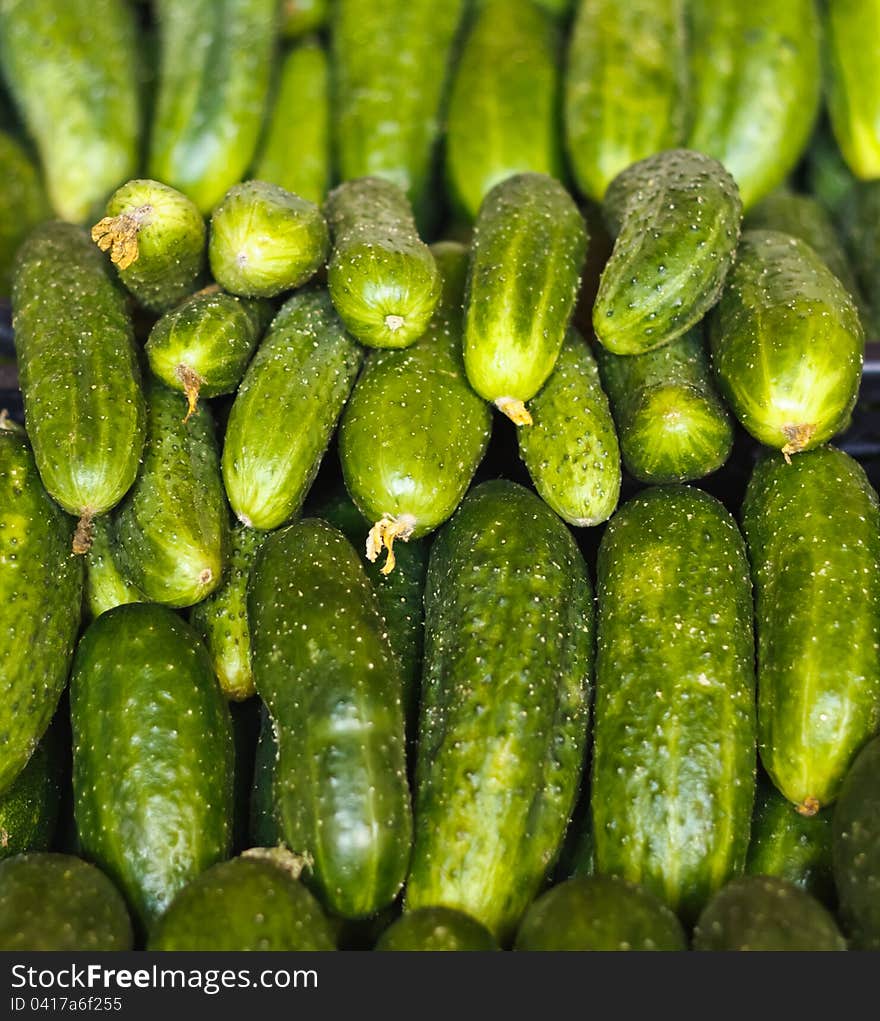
point(529, 246)
point(640, 48)
point(599, 913)
point(264, 824)
point(765, 913)
point(78, 369)
point(214, 73)
point(860, 215)
point(813, 528)
point(29, 808)
point(786, 343)
point(505, 705)
point(672, 425)
point(436, 929)
point(674, 738)
point(79, 908)
point(286, 410)
point(755, 83)
point(40, 598)
point(171, 531)
point(71, 69)
point(23, 203)
point(301, 16)
point(105, 585)
point(143, 697)
point(677, 219)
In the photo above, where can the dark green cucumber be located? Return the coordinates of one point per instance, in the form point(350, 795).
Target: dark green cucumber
point(341, 773)
point(261, 903)
point(813, 528)
point(29, 808)
point(505, 705)
point(286, 410)
point(765, 913)
point(171, 531)
point(529, 246)
point(40, 598)
point(79, 908)
point(71, 70)
point(674, 738)
point(213, 87)
point(502, 116)
point(826, 174)
point(436, 929)
point(672, 425)
point(105, 584)
point(755, 82)
point(23, 203)
point(625, 87)
point(599, 913)
point(79, 373)
point(786, 343)
point(301, 16)
point(860, 215)
point(143, 697)
point(265, 817)
point(676, 217)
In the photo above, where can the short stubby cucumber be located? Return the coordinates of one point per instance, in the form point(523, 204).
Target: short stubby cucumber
point(529, 246)
point(23, 203)
point(505, 705)
point(813, 528)
point(301, 16)
point(436, 929)
point(676, 220)
point(29, 808)
point(382, 277)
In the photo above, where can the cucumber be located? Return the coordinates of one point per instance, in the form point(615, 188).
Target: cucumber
point(239, 891)
point(826, 174)
point(214, 72)
point(765, 913)
point(40, 598)
point(505, 705)
point(23, 203)
point(672, 425)
point(29, 808)
point(755, 82)
point(301, 16)
point(80, 909)
point(625, 87)
point(436, 929)
point(265, 818)
point(341, 772)
point(813, 529)
point(79, 373)
point(786, 344)
point(408, 475)
point(156, 239)
point(382, 277)
point(856, 849)
point(860, 214)
point(571, 449)
point(676, 217)
point(599, 913)
point(105, 585)
point(143, 697)
point(529, 246)
point(171, 531)
point(71, 70)
point(265, 240)
point(674, 737)
point(286, 409)
point(503, 102)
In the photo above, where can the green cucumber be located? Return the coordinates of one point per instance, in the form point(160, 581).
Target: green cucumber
point(860, 215)
point(301, 16)
point(171, 530)
point(786, 344)
point(813, 528)
point(672, 425)
point(23, 203)
point(676, 217)
point(505, 705)
point(674, 738)
point(143, 697)
point(105, 584)
point(826, 174)
point(29, 808)
point(755, 83)
point(599, 913)
point(625, 87)
point(265, 817)
point(341, 772)
point(529, 246)
point(213, 86)
point(436, 929)
point(286, 409)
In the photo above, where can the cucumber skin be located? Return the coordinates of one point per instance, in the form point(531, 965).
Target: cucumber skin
point(105, 585)
point(817, 618)
point(143, 696)
point(341, 772)
point(508, 603)
point(641, 47)
point(286, 409)
point(672, 425)
point(301, 16)
point(23, 204)
point(78, 370)
point(29, 808)
point(264, 823)
point(672, 569)
point(436, 929)
point(40, 599)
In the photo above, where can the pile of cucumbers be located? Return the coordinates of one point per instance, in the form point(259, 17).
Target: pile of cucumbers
point(355, 587)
